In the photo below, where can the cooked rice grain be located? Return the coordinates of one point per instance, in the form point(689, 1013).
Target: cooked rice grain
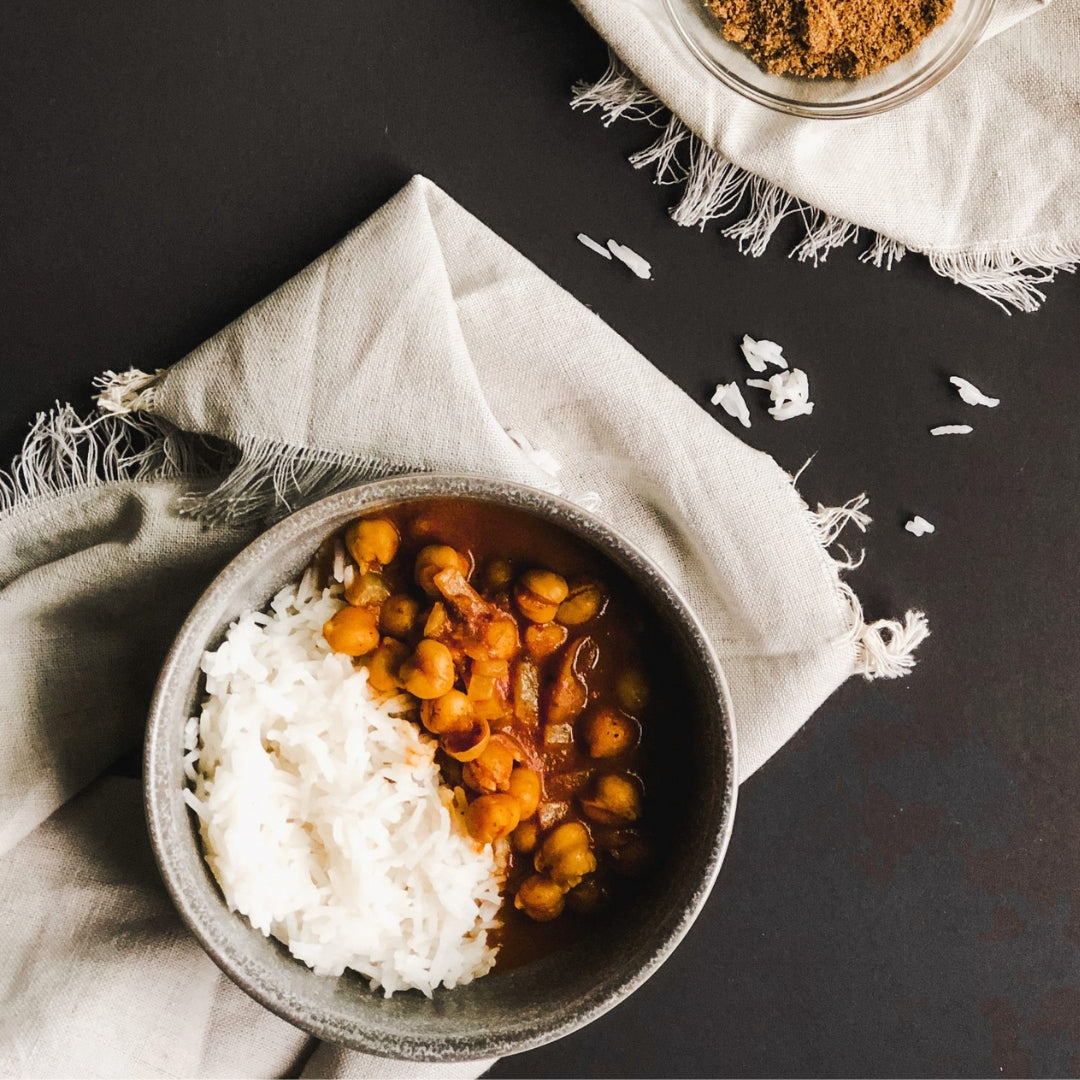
point(322, 814)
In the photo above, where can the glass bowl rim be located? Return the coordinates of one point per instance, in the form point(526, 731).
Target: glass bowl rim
point(872, 104)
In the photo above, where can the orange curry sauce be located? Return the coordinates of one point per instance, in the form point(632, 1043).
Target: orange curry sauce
point(547, 705)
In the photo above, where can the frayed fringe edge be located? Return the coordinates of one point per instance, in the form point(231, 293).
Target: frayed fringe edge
point(259, 480)
point(65, 452)
point(830, 521)
point(270, 480)
point(265, 480)
point(885, 648)
point(715, 187)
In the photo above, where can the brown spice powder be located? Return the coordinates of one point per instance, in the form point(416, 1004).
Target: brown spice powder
point(828, 38)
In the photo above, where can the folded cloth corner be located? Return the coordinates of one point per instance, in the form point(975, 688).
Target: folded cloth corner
point(420, 342)
point(979, 173)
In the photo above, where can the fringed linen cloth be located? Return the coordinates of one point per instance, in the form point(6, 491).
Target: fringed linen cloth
point(420, 342)
point(981, 174)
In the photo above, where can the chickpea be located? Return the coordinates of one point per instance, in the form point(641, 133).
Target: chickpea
point(608, 733)
point(588, 896)
point(583, 603)
point(372, 540)
point(540, 898)
point(569, 868)
point(499, 574)
point(501, 640)
point(609, 837)
point(423, 528)
point(632, 857)
point(632, 691)
point(398, 615)
point(491, 770)
point(450, 712)
point(429, 671)
point(491, 817)
point(563, 838)
point(542, 639)
point(433, 558)
point(366, 589)
point(466, 744)
point(385, 665)
point(539, 593)
point(524, 785)
point(523, 838)
point(352, 631)
point(615, 800)
point(566, 855)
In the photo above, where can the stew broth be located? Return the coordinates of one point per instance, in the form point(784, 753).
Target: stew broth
point(589, 702)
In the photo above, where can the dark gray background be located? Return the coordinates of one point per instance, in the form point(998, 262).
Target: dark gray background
point(902, 894)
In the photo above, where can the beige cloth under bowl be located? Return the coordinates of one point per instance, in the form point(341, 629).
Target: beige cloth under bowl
point(420, 342)
point(981, 173)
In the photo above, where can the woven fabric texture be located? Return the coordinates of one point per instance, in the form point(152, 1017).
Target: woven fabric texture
point(421, 342)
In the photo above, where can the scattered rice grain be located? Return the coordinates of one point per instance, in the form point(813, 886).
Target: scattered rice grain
point(759, 354)
point(952, 429)
point(790, 393)
point(631, 259)
point(971, 394)
point(592, 245)
point(919, 526)
point(729, 397)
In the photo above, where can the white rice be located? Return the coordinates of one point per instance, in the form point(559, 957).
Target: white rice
point(631, 259)
point(759, 354)
point(729, 397)
point(972, 394)
point(322, 814)
point(919, 526)
point(592, 245)
point(790, 393)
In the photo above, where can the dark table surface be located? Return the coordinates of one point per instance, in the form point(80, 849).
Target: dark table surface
point(902, 893)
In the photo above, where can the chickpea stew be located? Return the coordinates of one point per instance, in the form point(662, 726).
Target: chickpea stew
point(549, 685)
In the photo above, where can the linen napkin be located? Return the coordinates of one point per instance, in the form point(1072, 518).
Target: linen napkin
point(981, 173)
point(420, 342)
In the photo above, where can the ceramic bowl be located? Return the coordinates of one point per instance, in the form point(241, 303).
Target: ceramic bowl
point(500, 1013)
point(925, 66)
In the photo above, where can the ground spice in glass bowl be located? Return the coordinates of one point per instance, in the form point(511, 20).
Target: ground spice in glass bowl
point(828, 38)
point(830, 59)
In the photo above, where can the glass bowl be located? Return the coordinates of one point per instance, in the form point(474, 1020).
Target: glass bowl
point(927, 64)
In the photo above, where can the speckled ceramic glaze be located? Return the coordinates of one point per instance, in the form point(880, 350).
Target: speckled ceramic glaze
point(501, 1013)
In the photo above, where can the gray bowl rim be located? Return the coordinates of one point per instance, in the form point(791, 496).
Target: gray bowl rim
point(370, 494)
